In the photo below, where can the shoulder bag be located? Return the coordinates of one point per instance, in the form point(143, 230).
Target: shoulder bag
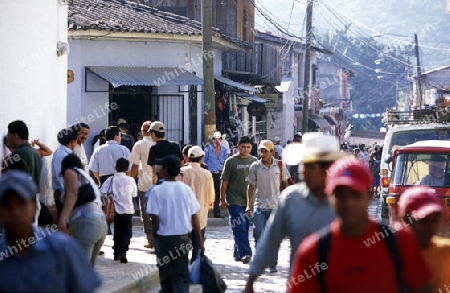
point(108, 207)
point(86, 192)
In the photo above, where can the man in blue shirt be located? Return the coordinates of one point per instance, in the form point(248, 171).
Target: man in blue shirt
point(215, 156)
point(35, 260)
point(68, 140)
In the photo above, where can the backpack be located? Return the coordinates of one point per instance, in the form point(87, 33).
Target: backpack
point(324, 245)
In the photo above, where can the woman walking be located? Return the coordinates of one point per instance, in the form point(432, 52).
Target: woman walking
point(81, 215)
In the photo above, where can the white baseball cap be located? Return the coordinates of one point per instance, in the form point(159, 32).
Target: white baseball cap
point(195, 152)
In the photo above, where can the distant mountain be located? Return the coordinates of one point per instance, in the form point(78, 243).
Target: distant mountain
point(427, 18)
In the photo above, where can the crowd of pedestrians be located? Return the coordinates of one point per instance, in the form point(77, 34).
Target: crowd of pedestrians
point(324, 216)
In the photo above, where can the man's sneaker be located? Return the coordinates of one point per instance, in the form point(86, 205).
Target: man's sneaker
point(123, 259)
point(246, 259)
point(148, 245)
point(151, 251)
point(273, 269)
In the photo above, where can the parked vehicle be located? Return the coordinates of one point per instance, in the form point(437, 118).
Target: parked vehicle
point(421, 163)
point(406, 128)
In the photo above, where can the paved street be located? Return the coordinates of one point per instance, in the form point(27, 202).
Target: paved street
point(219, 247)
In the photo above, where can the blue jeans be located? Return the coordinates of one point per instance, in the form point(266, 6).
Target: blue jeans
point(260, 218)
point(90, 232)
point(240, 225)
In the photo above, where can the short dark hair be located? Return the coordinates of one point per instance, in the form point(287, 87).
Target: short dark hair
point(111, 132)
point(122, 165)
point(186, 149)
point(172, 164)
point(245, 139)
point(20, 128)
point(158, 134)
point(69, 162)
point(65, 136)
point(195, 160)
point(80, 125)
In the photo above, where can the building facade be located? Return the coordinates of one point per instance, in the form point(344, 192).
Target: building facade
point(139, 64)
point(34, 73)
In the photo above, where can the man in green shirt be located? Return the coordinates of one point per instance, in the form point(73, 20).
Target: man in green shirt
point(233, 195)
point(17, 140)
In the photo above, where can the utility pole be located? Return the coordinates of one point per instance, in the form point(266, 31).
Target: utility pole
point(209, 105)
point(419, 72)
point(410, 86)
point(307, 72)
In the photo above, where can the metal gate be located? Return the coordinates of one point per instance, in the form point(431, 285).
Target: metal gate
point(171, 113)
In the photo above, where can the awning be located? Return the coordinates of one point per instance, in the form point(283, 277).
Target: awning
point(330, 119)
point(284, 85)
point(252, 98)
point(145, 76)
point(320, 122)
point(235, 84)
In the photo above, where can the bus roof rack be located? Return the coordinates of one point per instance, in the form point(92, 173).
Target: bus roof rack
point(419, 116)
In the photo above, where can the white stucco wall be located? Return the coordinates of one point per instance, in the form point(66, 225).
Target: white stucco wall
point(124, 53)
point(33, 79)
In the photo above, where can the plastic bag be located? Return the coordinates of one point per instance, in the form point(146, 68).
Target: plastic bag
point(194, 275)
point(203, 272)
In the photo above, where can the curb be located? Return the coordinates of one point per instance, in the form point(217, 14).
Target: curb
point(141, 285)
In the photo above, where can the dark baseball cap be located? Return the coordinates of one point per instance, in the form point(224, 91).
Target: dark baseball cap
point(19, 181)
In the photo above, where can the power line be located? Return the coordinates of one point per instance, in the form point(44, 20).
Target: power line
point(342, 17)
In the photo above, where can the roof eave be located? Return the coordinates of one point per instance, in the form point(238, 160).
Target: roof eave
point(104, 35)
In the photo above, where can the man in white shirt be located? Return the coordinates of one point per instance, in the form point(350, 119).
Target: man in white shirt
point(140, 169)
point(224, 142)
point(83, 133)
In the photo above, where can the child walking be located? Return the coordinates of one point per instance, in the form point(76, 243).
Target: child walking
point(122, 189)
point(173, 208)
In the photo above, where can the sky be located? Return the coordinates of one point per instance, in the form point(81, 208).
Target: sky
point(397, 24)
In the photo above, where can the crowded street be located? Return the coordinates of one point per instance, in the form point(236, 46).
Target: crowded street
point(225, 146)
point(218, 245)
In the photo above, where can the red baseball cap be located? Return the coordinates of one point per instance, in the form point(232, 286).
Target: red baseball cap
point(351, 172)
point(419, 202)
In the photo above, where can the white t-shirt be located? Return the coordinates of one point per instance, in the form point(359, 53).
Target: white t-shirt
point(139, 156)
point(226, 145)
point(123, 188)
point(174, 203)
point(81, 153)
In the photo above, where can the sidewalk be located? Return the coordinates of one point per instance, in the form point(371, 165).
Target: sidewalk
point(140, 274)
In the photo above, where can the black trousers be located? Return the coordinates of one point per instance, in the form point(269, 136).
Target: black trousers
point(195, 247)
point(122, 233)
point(216, 178)
point(173, 263)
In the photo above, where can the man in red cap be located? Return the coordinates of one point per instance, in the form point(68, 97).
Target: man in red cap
point(422, 205)
point(346, 257)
